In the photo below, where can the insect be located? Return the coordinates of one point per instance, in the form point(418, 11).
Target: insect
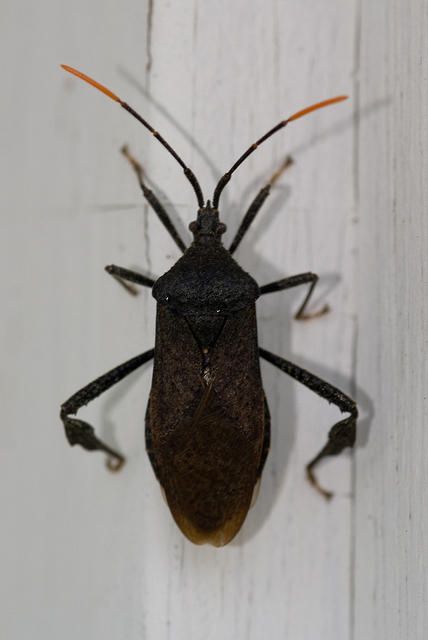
point(207, 421)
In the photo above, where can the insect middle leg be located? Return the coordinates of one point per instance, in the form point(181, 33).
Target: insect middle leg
point(124, 276)
point(257, 204)
point(153, 200)
point(294, 281)
point(80, 432)
point(342, 434)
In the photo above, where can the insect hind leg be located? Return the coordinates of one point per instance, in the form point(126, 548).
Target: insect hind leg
point(342, 434)
point(82, 433)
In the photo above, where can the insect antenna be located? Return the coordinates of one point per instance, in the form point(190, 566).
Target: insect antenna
point(187, 172)
point(299, 114)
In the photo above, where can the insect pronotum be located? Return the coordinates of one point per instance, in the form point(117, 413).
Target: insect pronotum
point(207, 420)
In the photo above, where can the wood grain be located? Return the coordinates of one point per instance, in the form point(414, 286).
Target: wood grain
point(391, 465)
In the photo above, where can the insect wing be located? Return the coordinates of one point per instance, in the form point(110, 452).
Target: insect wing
point(206, 436)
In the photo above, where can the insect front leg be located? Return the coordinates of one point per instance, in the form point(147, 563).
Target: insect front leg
point(80, 432)
point(295, 281)
point(123, 276)
point(153, 200)
point(257, 204)
point(342, 434)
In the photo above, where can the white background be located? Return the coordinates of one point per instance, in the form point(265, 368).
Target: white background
point(90, 555)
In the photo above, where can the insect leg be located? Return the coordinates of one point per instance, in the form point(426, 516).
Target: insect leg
point(123, 276)
point(256, 205)
point(154, 201)
point(342, 434)
point(80, 432)
point(294, 281)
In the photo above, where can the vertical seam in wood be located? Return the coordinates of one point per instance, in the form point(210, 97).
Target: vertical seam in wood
point(149, 30)
point(149, 62)
point(356, 185)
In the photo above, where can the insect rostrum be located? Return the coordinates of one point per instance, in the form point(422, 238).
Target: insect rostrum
point(207, 419)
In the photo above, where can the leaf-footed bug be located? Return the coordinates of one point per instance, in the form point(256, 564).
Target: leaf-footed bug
point(207, 420)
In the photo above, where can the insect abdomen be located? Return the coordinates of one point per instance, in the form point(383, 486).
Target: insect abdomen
point(205, 435)
point(210, 472)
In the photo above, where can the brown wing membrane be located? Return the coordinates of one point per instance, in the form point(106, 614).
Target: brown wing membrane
point(205, 443)
point(210, 483)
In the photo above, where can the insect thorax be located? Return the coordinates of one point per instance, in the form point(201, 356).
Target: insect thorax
point(206, 280)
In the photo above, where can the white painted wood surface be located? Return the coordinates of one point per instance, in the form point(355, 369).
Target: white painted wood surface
point(391, 559)
point(90, 555)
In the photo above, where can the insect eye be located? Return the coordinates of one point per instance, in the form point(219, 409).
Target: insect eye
point(166, 298)
point(218, 310)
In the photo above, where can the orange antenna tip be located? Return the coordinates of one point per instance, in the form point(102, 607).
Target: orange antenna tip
point(314, 107)
point(92, 82)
